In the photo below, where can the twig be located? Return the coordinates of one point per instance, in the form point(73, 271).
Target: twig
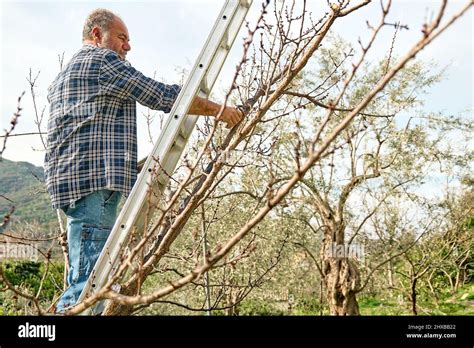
point(38, 117)
point(13, 123)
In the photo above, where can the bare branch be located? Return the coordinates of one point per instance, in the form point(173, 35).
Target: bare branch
point(13, 123)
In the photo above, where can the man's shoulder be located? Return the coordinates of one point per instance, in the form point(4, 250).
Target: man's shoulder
point(88, 52)
point(87, 56)
point(91, 51)
point(91, 62)
point(100, 52)
point(86, 61)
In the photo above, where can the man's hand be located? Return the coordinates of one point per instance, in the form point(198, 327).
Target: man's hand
point(231, 116)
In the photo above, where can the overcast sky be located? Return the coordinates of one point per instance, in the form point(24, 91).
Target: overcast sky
point(168, 35)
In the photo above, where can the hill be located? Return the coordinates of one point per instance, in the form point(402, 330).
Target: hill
point(23, 183)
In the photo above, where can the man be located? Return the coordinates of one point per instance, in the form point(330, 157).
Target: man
point(91, 160)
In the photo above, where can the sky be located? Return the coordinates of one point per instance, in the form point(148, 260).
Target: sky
point(166, 36)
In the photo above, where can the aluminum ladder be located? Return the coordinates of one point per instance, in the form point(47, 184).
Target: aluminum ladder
point(169, 146)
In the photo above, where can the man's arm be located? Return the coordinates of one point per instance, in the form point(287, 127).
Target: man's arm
point(201, 106)
point(123, 81)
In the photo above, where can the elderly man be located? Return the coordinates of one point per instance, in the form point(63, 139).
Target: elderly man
point(91, 160)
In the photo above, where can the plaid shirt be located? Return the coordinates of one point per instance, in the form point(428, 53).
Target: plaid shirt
point(92, 138)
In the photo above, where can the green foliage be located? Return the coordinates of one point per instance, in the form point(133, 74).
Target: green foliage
point(377, 306)
point(259, 307)
point(459, 303)
point(309, 305)
point(27, 276)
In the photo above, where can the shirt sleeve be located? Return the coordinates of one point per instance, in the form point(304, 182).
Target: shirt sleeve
point(118, 78)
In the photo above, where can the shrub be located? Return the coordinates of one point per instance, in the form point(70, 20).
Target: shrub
point(26, 276)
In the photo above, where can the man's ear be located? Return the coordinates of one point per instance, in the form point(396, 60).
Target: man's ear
point(96, 35)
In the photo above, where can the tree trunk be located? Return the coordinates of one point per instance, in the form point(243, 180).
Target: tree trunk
point(390, 275)
point(233, 309)
point(413, 296)
point(342, 278)
point(321, 285)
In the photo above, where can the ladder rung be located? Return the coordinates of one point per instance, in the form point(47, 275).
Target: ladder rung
point(161, 178)
point(180, 142)
point(245, 3)
point(204, 88)
point(182, 132)
point(225, 41)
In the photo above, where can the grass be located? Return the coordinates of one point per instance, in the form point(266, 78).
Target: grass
point(460, 303)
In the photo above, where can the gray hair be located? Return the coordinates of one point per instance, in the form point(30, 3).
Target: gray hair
point(100, 18)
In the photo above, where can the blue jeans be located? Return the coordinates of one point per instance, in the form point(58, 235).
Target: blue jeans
point(89, 221)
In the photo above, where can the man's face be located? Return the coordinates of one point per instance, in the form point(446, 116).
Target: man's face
point(117, 38)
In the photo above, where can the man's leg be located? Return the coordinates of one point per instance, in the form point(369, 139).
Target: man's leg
point(89, 221)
